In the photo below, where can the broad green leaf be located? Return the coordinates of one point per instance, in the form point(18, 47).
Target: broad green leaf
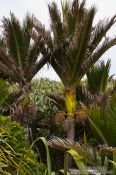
point(49, 166)
point(78, 160)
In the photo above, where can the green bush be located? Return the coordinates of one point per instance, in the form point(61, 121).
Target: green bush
point(16, 157)
point(38, 95)
point(44, 124)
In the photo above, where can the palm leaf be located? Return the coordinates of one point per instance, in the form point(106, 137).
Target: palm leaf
point(57, 100)
point(104, 120)
point(7, 61)
point(78, 161)
point(91, 60)
point(7, 74)
point(3, 91)
point(56, 24)
point(14, 38)
point(66, 145)
point(83, 42)
point(100, 31)
point(98, 77)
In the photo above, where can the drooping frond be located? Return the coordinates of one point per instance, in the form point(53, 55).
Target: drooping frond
point(43, 33)
point(93, 58)
point(66, 145)
point(102, 123)
point(83, 95)
point(7, 66)
point(57, 100)
point(100, 31)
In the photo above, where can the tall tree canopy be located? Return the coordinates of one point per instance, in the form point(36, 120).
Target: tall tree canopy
point(74, 41)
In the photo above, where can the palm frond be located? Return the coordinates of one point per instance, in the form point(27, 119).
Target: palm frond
point(57, 100)
point(7, 64)
point(33, 54)
point(100, 31)
point(98, 77)
point(26, 28)
point(66, 145)
point(38, 65)
point(83, 95)
point(7, 74)
point(56, 24)
point(84, 37)
point(104, 120)
point(72, 16)
point(3, 90)
point(14, 39)
point(28, 23)
point(45, 34)
point(107, 44)
point(92, 59)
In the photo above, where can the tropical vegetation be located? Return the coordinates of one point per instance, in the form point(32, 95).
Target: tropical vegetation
point(49, 127)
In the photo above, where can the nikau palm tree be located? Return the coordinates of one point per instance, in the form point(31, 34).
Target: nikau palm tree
point(74, 45)
point(20, 57)
point(95, 91)
point(98, 77)
point(102, 111)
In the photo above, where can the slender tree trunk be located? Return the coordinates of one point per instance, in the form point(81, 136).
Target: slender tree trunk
point(70, 104)
point(70, 128)
point(69, 125)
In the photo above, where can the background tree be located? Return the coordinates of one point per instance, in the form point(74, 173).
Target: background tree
point(20, 57)
point(95, 91)
point(98, 77)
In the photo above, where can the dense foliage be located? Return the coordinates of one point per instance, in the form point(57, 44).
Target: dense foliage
point(39, 97)
point(32, 111)
point(16, 156)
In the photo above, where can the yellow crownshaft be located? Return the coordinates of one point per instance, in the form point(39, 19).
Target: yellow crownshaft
point(70, 101)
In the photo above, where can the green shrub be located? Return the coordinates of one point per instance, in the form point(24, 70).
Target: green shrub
point(16, 157)
point(38, 96)
point(44, 124)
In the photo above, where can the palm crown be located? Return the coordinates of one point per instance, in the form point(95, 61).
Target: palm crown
point(75, 42)
point(98, 77)
point(19, 55)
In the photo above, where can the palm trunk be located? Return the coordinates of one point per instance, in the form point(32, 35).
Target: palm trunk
point(70, 104)
point(70, 128)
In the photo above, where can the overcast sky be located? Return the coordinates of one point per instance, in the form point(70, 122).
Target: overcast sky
point(105, 8)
